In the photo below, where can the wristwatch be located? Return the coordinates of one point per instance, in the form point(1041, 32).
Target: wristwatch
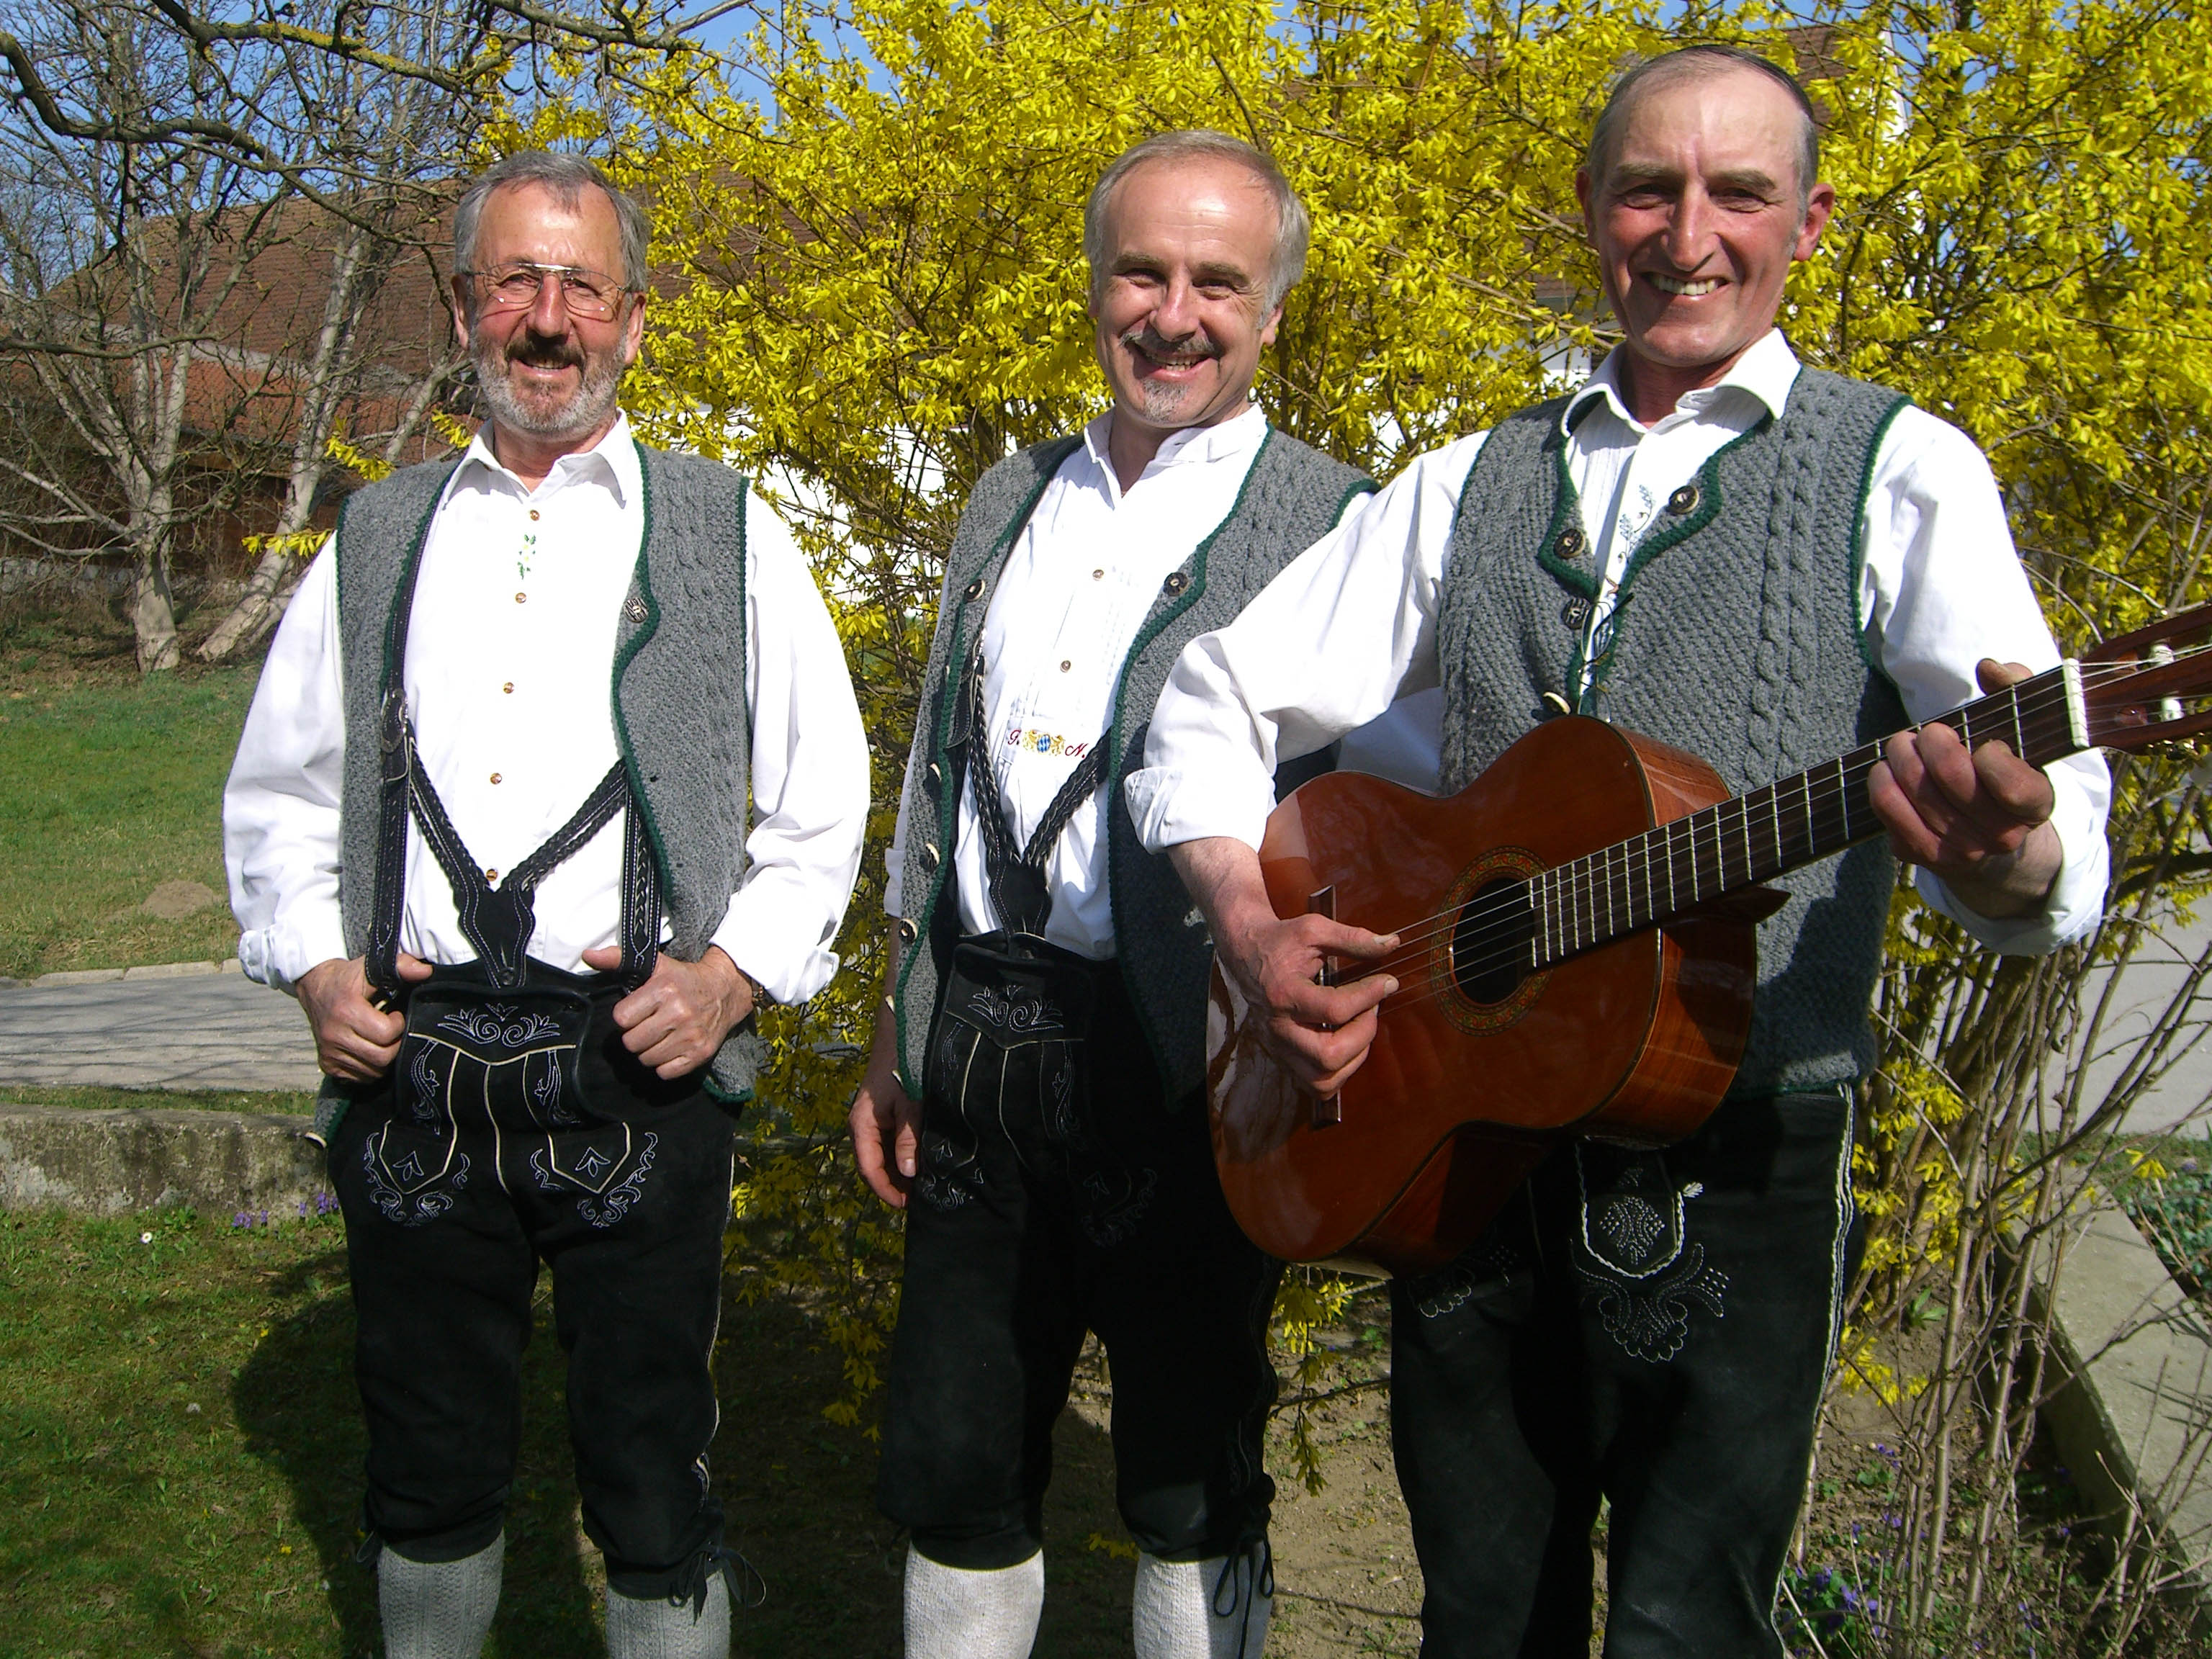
point(762, 998)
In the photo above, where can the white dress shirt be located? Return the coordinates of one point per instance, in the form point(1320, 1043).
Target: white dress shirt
point(1941, 589)
point(510, 662)
point(1080, 579)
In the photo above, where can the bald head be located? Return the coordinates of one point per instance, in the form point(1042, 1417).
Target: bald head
point(1695, 64)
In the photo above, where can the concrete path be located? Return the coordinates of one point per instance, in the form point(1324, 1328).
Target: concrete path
point(2179, 1100)
point(204, 1031)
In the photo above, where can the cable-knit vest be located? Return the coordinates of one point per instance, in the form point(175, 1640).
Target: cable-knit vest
point(1292, 497)
point(681, 717)
point(1735, 636)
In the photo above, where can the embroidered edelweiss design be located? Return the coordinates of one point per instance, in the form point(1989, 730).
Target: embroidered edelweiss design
point(1633, 1226)
point(1014, 1009)
point(1650, 1319)
point(617, 1202)
point(501, 1024)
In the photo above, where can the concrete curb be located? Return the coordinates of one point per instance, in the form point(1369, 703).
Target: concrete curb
point(2134, 1420)
point(109, 975)
point(112, 1162)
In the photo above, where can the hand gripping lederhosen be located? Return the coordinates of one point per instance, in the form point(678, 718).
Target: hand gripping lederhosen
point(1057, 1192)
point(515, 1129)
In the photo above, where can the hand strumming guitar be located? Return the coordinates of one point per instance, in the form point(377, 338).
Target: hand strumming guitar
point(1320, 1033)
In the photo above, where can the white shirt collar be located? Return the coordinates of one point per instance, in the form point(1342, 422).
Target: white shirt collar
point(1240, 435)
point(1766, 371)
point(611, 464)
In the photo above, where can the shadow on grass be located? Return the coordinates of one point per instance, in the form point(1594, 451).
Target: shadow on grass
point(296, 1404)
point(798, 1489)
point(800, 1493)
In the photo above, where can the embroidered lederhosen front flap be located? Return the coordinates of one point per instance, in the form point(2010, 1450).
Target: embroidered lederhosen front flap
point(1006, 1060)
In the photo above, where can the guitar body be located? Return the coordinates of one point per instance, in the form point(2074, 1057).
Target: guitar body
point(1473, 1077)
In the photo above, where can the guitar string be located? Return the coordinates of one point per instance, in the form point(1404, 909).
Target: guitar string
point(1509, 913)
point(1491, 937)
point(2032, 710)
point(1623, 856)
point(1516, 932)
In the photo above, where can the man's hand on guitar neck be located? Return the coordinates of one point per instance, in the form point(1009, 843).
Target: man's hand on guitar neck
point(1321, 1033)
point(1979, 820)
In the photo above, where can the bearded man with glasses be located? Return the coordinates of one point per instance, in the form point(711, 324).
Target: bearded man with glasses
point(489, 821)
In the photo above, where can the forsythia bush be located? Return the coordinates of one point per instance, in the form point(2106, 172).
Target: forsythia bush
point(872, 215)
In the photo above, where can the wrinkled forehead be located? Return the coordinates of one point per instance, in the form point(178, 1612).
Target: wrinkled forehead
point(532, 220)
point(1176, 198)
point(1728, 119)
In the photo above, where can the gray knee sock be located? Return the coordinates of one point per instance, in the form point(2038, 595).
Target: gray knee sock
point(1212, 1609)
point(954, 1613)
point(438, 1609)
point(658, 1629)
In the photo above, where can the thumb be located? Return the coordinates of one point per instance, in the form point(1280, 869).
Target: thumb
point(606, 957)
point(412, 967)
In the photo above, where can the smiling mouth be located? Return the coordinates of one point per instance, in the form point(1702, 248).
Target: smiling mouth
point(1686, 287)
point(1150, 348)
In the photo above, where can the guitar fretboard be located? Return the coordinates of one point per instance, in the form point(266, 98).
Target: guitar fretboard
point(1691, 861)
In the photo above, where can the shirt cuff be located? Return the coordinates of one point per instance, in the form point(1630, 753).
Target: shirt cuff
point(772, 934)
point(1169, 806)
point(2075, 907)
point(281, 955)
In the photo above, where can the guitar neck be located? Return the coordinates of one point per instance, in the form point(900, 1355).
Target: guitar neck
point(1690, 862)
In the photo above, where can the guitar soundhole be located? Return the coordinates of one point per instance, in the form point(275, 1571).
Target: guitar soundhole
point(1489, 941)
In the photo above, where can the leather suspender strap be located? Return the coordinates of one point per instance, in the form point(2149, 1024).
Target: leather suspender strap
point(498, 922)
point(1019, 892)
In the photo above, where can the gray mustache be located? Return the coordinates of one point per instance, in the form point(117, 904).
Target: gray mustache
point(1145, 339)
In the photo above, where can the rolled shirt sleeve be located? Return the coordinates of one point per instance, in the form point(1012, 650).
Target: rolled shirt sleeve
point(1943, 589)
point(1346, 629)
point(280, 807)
point(809, 775)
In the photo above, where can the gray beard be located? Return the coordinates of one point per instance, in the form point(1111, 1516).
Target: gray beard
point(582, 412)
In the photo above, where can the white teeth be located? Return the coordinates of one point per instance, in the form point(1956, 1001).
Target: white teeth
point(1675, 285)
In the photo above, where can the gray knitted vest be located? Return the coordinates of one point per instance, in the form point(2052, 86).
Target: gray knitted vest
point(1736, 638)
point(681, 718)
point(1292, 497)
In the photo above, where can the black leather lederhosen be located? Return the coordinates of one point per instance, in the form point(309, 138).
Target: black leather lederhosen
point(540, 1042)
point(1014, 1009)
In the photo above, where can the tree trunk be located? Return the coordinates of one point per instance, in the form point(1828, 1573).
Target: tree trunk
point(153, 616)
point(256, 610)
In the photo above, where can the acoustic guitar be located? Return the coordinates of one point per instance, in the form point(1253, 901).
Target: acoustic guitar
point(1578, 951)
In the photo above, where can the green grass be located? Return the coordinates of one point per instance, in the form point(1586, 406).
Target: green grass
point(296, 1102)
point(132, 1525)
point(109, 785)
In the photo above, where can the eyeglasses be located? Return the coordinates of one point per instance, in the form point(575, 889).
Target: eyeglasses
point(515, 287)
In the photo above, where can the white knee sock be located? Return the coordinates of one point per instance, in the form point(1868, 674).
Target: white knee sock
point(952, 1613)
point(1211, 1609)
point(657, 1628)
point(438, 1609)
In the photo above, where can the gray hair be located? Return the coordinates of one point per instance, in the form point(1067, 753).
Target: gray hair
point(567, 176)
point(1697, 63)
point(1292, 228)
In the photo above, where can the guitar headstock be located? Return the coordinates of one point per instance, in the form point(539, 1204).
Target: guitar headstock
point(2152, 686)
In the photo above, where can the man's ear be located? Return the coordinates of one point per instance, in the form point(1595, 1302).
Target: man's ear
point(1582, 188)
point(460, 287)
point(634, 327)
point(1820, 203)
point(1267, 329)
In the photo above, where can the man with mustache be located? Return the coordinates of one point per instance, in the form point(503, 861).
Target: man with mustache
point(1033, 1098)
point(489, 823)
point(1766, 565)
